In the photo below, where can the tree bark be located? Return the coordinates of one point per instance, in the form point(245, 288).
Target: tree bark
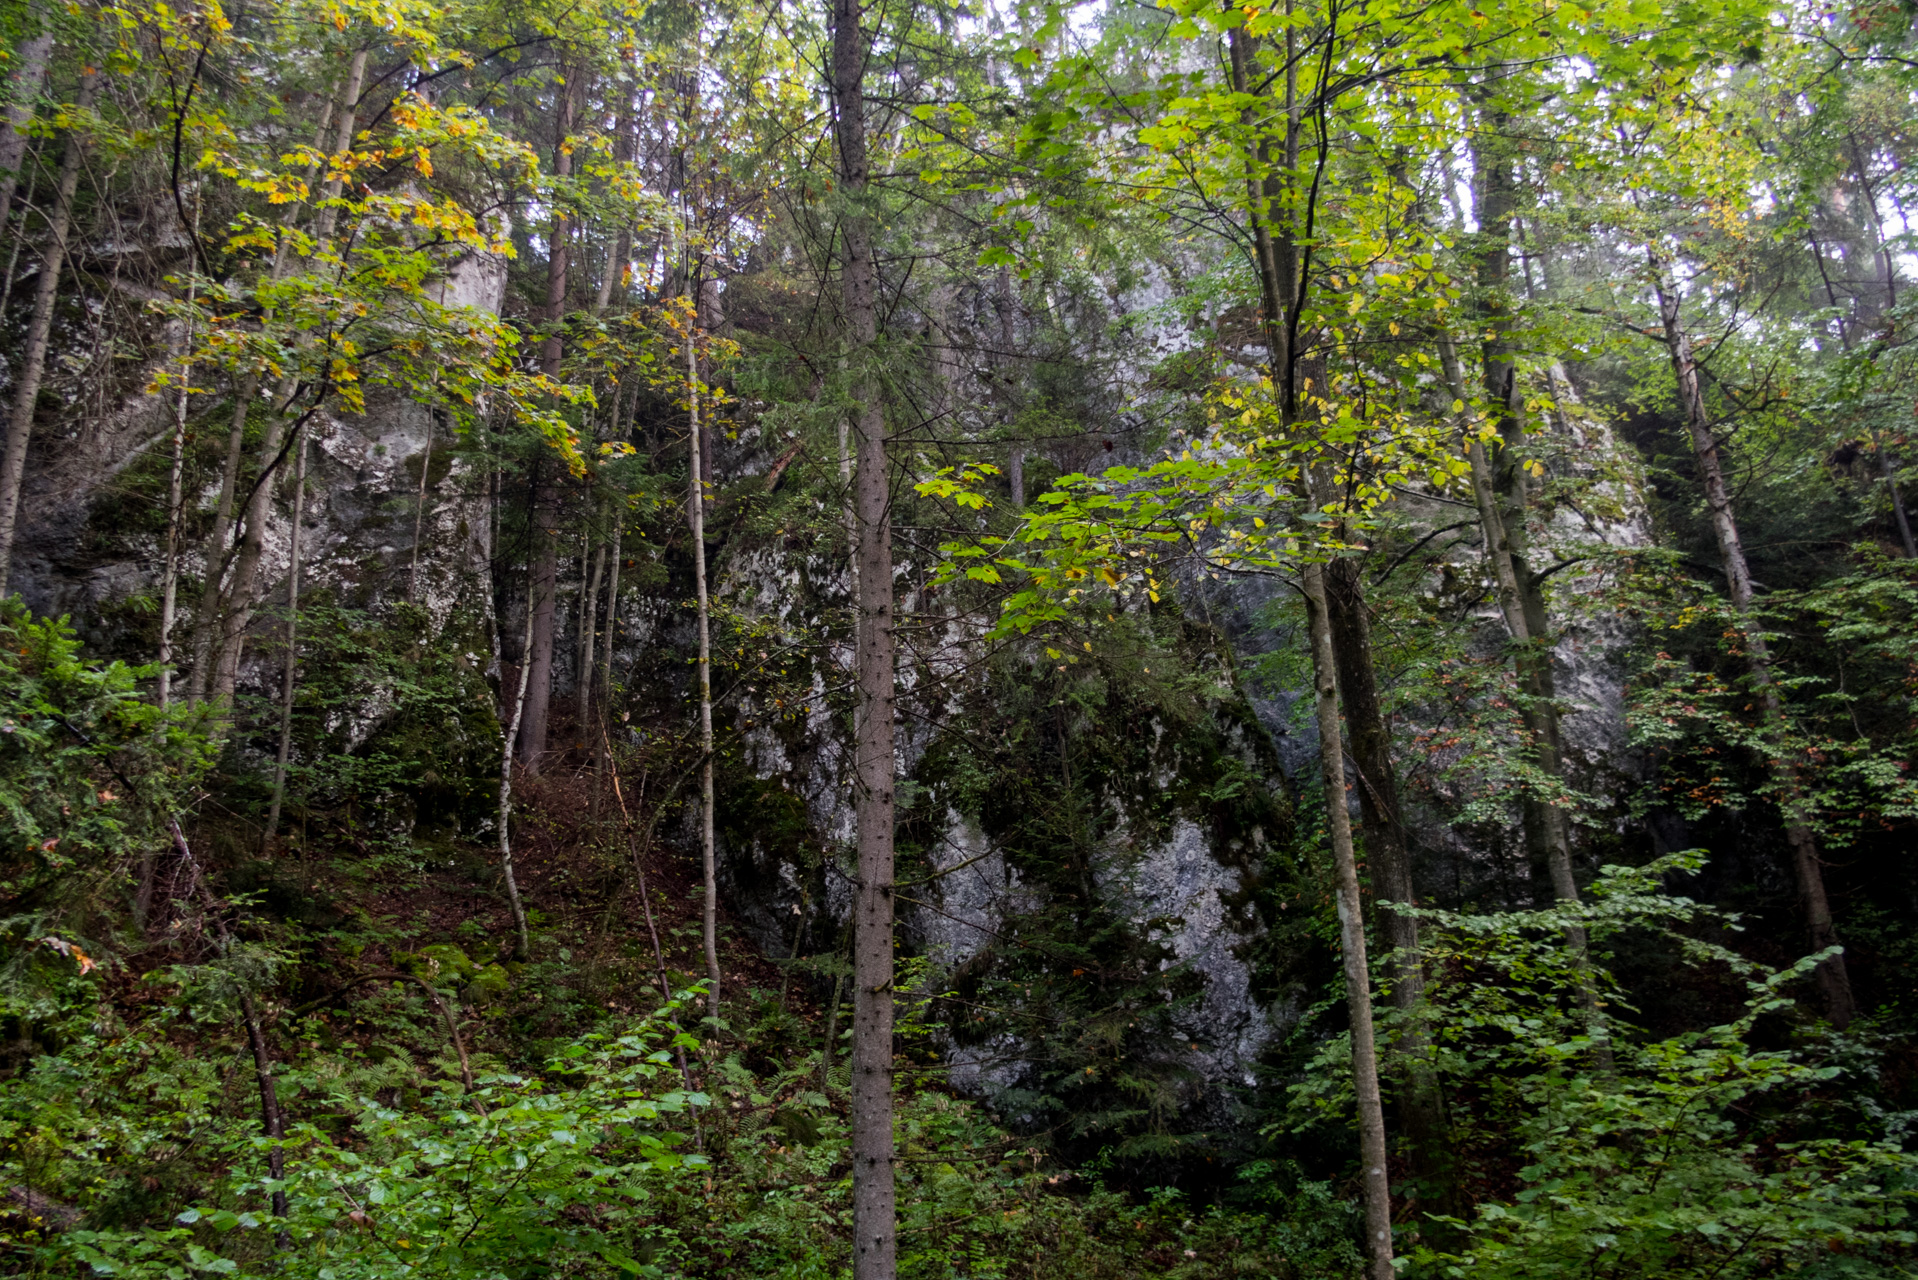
point(1889, 470)
point(696, 519)
point(1277, 263)
point(39, 334)
point(1521, 595)
point(244, 592)
point(19, 238)
point(290, 667)
point(604, 718)
point(30, 61)
point(1351, 908)
point(543, 581)
point(1004, 304)
point(1887, 467)
point(1547, 827)
point(170, 571)
point(506, 792)
point(1421, 1108)
point(588, 637)
point(1834, 982)
point(206, 622)
point(243, 596)
point(875, 1217)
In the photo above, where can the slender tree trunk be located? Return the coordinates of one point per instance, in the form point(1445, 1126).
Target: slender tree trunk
point(206, 622)
point(1546, 826)
point(543, 586)
point(1277, 263)
point(1834, 983)
point(709, 318)
point(170, 571)
point(29, 76)
point(244, 592)
point(832, 1029)
point(875, 1217)
point(506, 792)
point(614, 277)
point(696, 519)
point(291, 666)
point(1003, 304)
point(1889, 470)
point(622, 249)
point(244, 595)
point(1547, 831)
point(1522, 599)
point(272, 1125)
point(33, 366)
point(19, 238)
point(1421, 1108)
point(559, 255)
point(1886, 466)
point(588, 635)
point(604, 715)
point(1351, 908)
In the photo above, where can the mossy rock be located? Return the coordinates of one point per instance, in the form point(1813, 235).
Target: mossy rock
point(441, 962)
point(489, 984)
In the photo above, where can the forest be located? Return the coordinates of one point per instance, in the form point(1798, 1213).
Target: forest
point(959, 639)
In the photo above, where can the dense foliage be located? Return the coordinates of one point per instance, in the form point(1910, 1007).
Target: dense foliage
point(453, 454)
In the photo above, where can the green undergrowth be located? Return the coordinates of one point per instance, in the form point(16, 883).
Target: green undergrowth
point(140, 1146)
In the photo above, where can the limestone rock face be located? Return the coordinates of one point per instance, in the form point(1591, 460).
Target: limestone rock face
point(1172, 855)
point(372, 481)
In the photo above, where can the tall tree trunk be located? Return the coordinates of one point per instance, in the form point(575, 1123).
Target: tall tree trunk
point(170, 571)
point(542, 587)
point(1351, 908)
point(602, 760)
point(290, 667)
point(19, 238)
point(29, 76)
point(1834, 983)
point(709, 317)
point(588, 637)
point(524, 946)
point(696, 519)
point(1546, 826)
point(33, 366)
point(614, 276)
point(543, 581)
point(245, 590)
point(1004, 303)
point(1277, 263)
point(875, 1217)
point(1522, 596)
point(244, 595)
point(1421, 1108)
point(1889, 470)
point(206, 622)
